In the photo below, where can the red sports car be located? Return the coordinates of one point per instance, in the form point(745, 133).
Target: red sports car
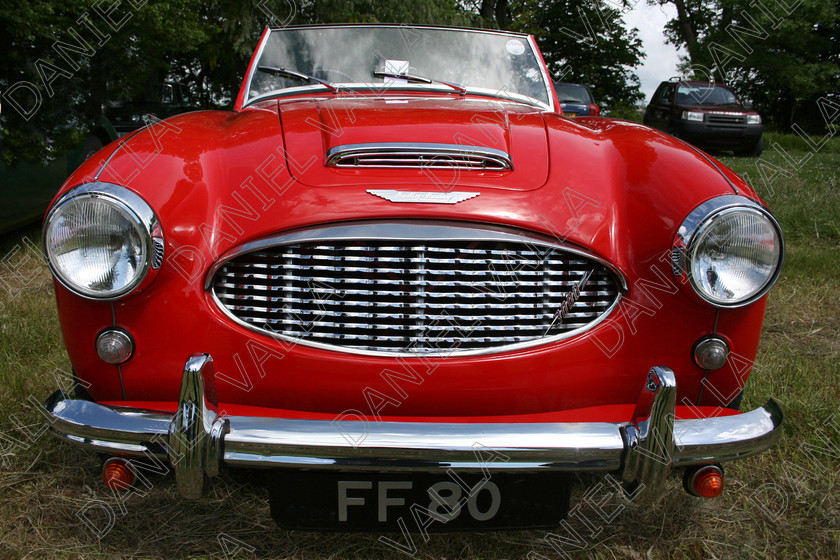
point(398, 282)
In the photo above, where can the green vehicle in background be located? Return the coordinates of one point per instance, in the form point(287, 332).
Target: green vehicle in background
point(36, 157)
point(162, 100)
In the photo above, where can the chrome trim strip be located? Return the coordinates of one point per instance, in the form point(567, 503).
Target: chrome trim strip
point(197, 441)
point(252, 70)
point(423, 197)
point(123, 141)
point(711, 162)
point(405, 230)
point(728, 113)
point(547, 81)
point(377, 89)
point(406, 26)
point(433, 150)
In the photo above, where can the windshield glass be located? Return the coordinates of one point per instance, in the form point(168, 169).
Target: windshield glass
point(572, 94)
point(499, 64)
point(705, 95)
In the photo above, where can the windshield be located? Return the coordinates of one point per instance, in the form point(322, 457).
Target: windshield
point(158, 93)
point(705, 95)
point(572, 94)
point(491, 63)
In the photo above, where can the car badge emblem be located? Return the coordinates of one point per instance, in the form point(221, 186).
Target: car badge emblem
point(571, 298)
point(431, 197)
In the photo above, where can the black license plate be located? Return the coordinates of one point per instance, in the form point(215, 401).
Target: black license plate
point(417, 502)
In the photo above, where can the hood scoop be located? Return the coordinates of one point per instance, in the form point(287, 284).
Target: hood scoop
point(417, 155)
point(428, 143)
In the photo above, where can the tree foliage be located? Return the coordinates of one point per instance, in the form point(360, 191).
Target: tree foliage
point(207, 44)
point(428, 12)
point(784, 56)
point(585, 42)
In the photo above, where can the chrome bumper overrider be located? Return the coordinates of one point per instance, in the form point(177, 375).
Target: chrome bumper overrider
point(196, 440)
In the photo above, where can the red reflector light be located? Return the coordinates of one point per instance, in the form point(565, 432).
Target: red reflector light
point(594, 110)
point(707, 482)
point(118, 474)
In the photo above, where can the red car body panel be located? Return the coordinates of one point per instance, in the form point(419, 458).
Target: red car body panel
point(220, 179)
point(314, 286)
point(607, 413)
point(311, 128)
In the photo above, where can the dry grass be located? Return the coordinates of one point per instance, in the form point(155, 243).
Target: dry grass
point(782, 504)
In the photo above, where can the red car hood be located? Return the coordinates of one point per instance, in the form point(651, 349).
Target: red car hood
point(220, 179)
point(312, 127)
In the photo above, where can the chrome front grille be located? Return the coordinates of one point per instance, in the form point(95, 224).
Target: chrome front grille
point(426, 293)
point(419, 155)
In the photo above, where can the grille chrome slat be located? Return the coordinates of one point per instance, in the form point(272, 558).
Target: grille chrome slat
point(353, 307)
point(419, 156)
point(414, 296)
point(440, 249)
point(493, 302)
point(491, 281)
point(505, 262)
point(322, 322)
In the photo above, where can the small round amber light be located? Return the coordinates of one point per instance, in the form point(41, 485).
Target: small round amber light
point(708, 482)
point(118, 474)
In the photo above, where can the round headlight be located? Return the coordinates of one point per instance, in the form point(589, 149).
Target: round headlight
point(734, 256)
point(98, 240)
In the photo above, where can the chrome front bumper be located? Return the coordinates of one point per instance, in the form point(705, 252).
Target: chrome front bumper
point(197, 440)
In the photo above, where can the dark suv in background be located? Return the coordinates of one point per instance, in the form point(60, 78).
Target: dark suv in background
point(707, 115)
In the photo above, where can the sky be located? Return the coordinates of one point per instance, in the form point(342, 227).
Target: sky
point(661, 61)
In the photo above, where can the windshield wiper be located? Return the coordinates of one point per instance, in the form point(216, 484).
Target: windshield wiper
point(288, 73)
point(418, 79)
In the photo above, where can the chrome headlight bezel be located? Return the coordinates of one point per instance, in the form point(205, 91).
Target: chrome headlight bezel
point(692, 232)
point(134, 209)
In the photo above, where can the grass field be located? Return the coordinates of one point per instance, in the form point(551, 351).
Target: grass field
point(781, 504)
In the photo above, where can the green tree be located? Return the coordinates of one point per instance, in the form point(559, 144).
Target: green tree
point(585, 42)
point(208, 43)
point(785, 57)
point(429, 12)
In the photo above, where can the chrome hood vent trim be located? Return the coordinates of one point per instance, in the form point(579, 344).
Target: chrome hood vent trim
point(419, 155)
point(409, 288)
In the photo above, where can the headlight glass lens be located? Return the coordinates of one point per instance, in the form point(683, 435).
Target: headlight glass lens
point(753, 119)
point(97, 246)
point(734, 256)
point(692, 116)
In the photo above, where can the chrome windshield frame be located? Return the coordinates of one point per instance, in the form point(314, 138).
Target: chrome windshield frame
point(378, 88)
